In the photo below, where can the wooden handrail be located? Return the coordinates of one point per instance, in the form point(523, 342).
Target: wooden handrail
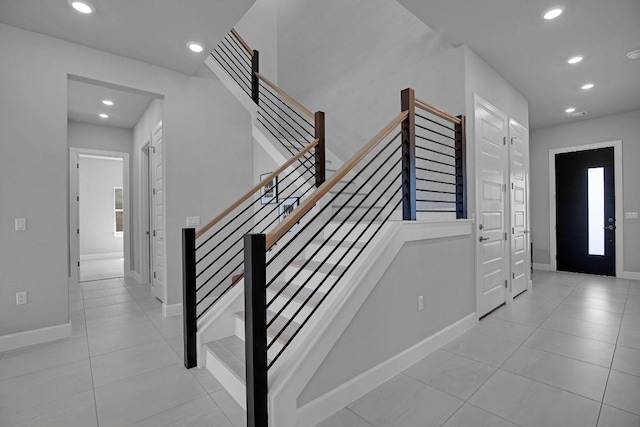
point(286, 96)
point(310, 202)
point(243, 43)
point(255, 188)
point(436, 111)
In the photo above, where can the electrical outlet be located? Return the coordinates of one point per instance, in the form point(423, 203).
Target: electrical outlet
point(193, 220)
point(21, 298)
point(21, 224)
point(420, 303)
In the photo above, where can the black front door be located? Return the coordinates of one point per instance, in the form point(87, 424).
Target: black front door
point(585, 212)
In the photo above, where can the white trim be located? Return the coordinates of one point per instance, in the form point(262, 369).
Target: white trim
point(169, 310)
point(101, 256)
point(74, 216)
point(317, 410)
point(135, 275)
point(631, 275)
point(617, 160)
point(34, 336)
point(542, 267)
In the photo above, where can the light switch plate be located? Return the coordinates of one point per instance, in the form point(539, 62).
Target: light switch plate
point(420, 303)
point(21, 224)
point(631, 215)
point(21, 298)
point(193, 220)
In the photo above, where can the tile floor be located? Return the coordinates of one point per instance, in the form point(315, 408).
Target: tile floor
point(568, 354)
point(122, 367)
point(101, 268)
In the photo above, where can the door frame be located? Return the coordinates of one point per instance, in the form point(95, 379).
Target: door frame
point(145, 212)
point(478, 100)
point(617, 162)
point(74, 212)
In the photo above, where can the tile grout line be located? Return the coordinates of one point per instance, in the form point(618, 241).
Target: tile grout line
point(93, 387)
point(615, 347)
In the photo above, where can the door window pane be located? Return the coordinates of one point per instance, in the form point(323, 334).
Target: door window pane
point(596, 210)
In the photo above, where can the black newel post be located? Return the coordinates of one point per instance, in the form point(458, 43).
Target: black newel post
point(255, 307)
point(407, 100)
point(320, 149)
point(461, 160)
point(255, 68)
point(189, 296)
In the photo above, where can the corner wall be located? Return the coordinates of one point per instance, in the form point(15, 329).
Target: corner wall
point(625, 127)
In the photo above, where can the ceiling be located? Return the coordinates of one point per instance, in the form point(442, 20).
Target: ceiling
point(153, 31)
point(532, 53)
point(508, 34)
point(84, 103)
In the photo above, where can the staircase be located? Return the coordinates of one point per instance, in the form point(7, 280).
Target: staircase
point(262, 280)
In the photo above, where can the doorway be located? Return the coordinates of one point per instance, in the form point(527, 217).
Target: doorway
point(585, 207)
point(99, 220)
point(585, 212)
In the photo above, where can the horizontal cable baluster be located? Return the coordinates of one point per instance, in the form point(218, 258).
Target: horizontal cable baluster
point(393, 166)
point(436, 181)
point(276, 105)
point(323, 209)
point(234, 64)
point(231, 53)
point(435, 151)
point(424, 138)
point(268, 126)
point(243, 56)
point(436, 171)
point(266, 108)
point(437, 133)
point(435, 161)
point(288, 106)
point(291, 137)
point(437, 191)
point(436, 201)
point(332, 287)
point(434, 122)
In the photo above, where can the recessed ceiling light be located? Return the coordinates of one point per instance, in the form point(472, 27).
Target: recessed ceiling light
point(575, 60)
point(587, 86)
point(570, 110)
point(82, 6)
point(195, 47)
point(553, 13)
point(103, 115)
point(107, 102)
point(634, 54)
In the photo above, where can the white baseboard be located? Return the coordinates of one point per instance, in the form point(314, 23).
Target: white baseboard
point(631, 275)
point(101, 256)
point(135, 276)
point(324, 406)
point(543, 267)
point(35, 336)
point(169, 310)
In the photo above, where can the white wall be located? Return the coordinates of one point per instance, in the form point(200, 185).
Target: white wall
point(96, 137)
point(625, 127)
point(352, 59)
point(208, 141)
point(390, 315)
point(97, 179)
point(259, 28)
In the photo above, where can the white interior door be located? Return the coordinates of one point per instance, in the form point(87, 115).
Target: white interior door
point(520, 248)
point(491, 165)
point(158, 281)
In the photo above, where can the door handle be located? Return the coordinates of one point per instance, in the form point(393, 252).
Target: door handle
point(482, 239)
point(611, 227)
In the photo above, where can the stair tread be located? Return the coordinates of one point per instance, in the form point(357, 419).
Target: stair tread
point(344, 243)
point(301, 296)
point(279, 323)
point(230, 352)
point(325, 268)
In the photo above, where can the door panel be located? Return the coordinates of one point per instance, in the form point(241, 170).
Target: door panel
point(491, 162)
point(572, 212)
point(520, 248)
point(158, 281)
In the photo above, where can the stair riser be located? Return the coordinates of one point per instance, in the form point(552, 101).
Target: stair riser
point(313, 282)
point(344, 198)
point(345, 230)
point(333, 258)
point(275, 348)
point(360, 213)
point(291, 308)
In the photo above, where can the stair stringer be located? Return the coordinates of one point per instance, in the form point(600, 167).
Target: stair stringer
point(290, 375)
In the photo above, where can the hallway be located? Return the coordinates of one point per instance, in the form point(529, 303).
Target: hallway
point(568, 354)
point(549, 359)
